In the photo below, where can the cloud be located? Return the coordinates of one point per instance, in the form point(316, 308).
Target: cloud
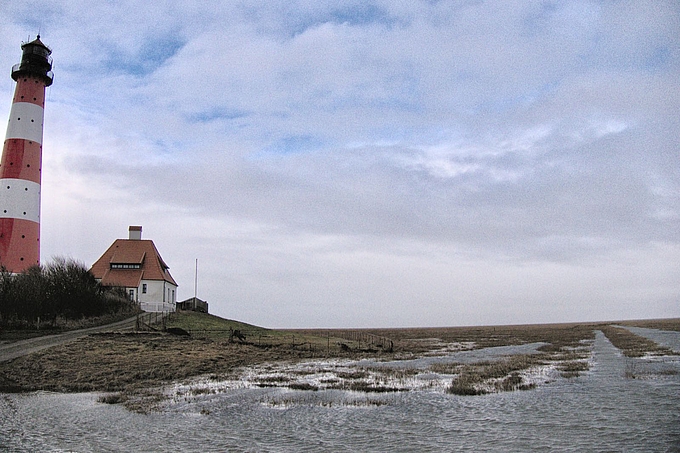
point(381, 163)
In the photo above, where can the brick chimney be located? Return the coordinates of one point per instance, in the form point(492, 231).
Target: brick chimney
point(135, 233)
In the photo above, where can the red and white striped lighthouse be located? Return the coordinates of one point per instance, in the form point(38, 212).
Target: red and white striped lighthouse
point(20, 168)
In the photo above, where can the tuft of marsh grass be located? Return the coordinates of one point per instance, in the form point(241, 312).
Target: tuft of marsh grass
point(631, 370)
point(394, 373)
point(446, 368)
point(303, 386)
point(572, 369)
point(112, 398)
point(367, 402)
point(366, 387)
point(358, 374)
point(277, 378)
point(195, 391)
point(503, 375)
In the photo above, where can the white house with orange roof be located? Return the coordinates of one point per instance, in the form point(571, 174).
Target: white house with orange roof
point(136, 265)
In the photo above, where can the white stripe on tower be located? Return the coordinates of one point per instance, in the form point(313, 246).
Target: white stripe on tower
point(25, 121)
point(21, 199)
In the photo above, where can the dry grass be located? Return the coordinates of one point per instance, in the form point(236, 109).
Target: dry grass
point(503, 375)
point(127, 365)
point(203, 325)
point(558, 336)
point(661, 324)
point(312, 343)
point(446, 368)
point(367, 387)
point(117, 362)
point(632, 345)
point(303, 386)
point(572, 369)
point(130, 362)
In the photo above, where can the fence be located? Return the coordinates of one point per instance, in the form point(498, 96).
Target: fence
point(151, 321)
point(308, 342)
point(366, 338)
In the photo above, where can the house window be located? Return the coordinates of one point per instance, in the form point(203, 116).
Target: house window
point(132, 294)
point(125, 266)
point(143, 288)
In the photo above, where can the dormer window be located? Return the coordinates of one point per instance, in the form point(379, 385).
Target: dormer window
point(125, 266)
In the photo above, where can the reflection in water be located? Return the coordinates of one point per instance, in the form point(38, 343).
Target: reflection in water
point(601, 410)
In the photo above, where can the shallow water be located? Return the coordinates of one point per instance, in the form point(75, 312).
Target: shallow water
point(600, 411)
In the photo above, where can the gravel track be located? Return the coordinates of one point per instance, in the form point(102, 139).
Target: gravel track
point(21, 348)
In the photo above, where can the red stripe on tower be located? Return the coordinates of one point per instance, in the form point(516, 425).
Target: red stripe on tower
point(20, 168)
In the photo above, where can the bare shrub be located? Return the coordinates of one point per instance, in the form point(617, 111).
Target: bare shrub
point(63, 290)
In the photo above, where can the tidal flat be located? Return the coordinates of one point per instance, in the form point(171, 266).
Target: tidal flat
point(145, 370)
point(557, 388)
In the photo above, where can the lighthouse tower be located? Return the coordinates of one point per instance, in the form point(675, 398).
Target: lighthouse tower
point(20, 168)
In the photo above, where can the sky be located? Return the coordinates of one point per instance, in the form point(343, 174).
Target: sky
point(369, 163)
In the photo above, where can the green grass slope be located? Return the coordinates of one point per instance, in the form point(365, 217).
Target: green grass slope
point(196, 322)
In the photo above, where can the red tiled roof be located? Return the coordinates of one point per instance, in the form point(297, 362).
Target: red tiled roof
point(128, 256)
point(141, 252)
point(128, 278)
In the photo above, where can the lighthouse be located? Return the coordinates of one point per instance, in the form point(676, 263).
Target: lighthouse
point(20, 167)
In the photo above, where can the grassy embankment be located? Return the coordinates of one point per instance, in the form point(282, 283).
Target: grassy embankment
point(133, 362)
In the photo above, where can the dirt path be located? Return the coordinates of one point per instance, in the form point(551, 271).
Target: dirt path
point(24, 347)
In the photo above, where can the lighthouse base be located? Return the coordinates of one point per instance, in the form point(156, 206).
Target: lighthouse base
point(19, 244)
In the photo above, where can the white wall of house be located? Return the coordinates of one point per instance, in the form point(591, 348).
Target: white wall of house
point(156, 295)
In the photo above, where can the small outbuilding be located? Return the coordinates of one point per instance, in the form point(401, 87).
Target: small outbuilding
point(193, 304)
point(136, 265)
